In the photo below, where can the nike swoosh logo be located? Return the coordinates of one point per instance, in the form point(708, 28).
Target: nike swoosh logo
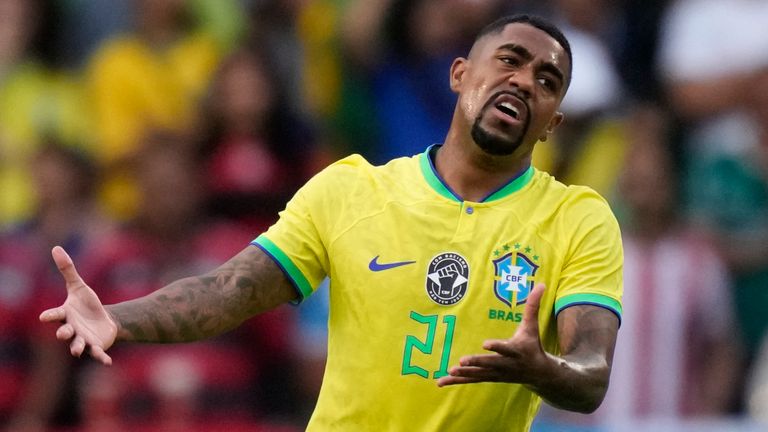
point(375, 266)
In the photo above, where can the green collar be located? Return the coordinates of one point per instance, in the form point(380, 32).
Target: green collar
point(436, 182)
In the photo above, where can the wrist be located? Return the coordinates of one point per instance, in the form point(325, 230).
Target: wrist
point(547, 371)
point(113, 316)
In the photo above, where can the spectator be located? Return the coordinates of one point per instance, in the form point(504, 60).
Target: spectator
point(257, 151)
point(272, 27)
point(35, 373)
point(230, 378)
point(716, 81)
point(710, 73)
point(589, 147)
point(636, 46)
point(727, 192)
point(334, 91)
point(678, 297)
point(403, 45)
point(753, 169)
point(29, 361)
point(151, 77)
point(37, 101)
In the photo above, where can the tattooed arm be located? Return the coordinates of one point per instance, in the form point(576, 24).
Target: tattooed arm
point(203, 306)
point(188, 309)
point(577, 380)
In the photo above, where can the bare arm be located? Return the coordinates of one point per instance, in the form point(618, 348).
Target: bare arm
point(186, 310)
point(576, 381)
point(203, 306)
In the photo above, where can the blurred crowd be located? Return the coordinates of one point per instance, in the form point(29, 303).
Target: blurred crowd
point(154, 139)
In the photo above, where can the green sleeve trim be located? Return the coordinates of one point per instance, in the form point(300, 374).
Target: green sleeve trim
point(601, 300)
point(302, 285)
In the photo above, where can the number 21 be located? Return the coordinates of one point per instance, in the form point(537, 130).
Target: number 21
point(426, 346)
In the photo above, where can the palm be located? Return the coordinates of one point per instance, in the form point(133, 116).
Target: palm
point(513, 360)
point(86, 323)
point(88, 317)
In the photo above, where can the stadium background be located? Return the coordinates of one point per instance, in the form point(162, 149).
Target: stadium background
point(155, 138)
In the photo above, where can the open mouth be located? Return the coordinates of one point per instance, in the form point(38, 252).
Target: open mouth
point(508, 109)
point(511, 106)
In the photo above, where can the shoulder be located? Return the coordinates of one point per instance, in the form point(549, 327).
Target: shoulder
point(574, 212)
point(352, 189)
point(355, 173)
point(569, 198)
point(341, 173)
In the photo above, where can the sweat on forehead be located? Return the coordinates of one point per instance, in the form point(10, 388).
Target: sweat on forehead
point(542, 24)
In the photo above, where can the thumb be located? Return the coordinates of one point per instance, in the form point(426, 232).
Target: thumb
point(66, 267)
point(530, 322)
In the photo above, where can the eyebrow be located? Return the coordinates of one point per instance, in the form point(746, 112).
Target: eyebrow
point(528, 56)
point(517, 49)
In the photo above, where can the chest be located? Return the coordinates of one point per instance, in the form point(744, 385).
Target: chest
point(480, 259)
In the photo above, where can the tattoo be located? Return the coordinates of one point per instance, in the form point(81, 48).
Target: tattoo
point(199, 307)
point(588, 331)
point(579, 380)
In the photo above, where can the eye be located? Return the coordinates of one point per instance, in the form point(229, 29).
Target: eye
point(547, 83)
point(512, 61)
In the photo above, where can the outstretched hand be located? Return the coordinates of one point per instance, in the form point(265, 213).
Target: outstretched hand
point(514, 360)
point(87, 325)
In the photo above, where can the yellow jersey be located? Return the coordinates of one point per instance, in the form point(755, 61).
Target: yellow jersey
point(420, 277)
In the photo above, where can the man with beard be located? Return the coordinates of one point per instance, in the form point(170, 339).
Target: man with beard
point(431, 258)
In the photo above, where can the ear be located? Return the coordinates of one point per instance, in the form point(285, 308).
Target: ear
point(553, 123)
point(458, 68)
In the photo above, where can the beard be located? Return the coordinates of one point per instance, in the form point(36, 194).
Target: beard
point(492, 144)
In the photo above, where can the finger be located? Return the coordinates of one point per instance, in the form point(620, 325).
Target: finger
point(530, 322)
point(66, 267)
point(53, 315)
point(77, 346)
point(488, 361)
point(65, 332)
point(101, 356)
point(480, 373)
point(449, 380)
point(494, 344)
point(503, 347)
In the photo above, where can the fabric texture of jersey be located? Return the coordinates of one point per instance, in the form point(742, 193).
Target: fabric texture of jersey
point(420, 277)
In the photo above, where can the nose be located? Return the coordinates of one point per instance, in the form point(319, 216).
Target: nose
point(522, 80)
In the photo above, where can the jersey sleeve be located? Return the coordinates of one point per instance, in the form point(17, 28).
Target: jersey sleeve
point(298, 241)
point(593, 268)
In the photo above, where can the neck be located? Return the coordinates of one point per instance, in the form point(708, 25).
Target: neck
point(474, 174)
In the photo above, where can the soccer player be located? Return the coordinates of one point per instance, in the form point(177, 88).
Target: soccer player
point(439, 315)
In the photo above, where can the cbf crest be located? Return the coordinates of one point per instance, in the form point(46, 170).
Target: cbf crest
point(514, 274)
